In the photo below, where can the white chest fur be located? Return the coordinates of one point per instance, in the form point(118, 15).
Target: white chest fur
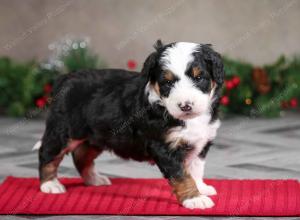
point(197, 132)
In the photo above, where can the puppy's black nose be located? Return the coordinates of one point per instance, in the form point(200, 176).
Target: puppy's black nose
point(186, 107)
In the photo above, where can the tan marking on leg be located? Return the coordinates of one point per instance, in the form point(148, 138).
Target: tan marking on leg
point(48, 173)
point(188, 195)
point(83, 158)
point(185, 188)
point(48, 177)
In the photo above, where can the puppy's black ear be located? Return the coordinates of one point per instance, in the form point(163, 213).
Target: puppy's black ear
point(216, 68)
point(149, 65)
point(158, 45)
point(215, 62)
point(151, 61)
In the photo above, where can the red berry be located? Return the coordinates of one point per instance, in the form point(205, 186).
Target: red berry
point(229, 84)
point(131, 64)
point(236, 80)
point(41, 102)
point(224, 100)
point(293, 102)
point(47, 88)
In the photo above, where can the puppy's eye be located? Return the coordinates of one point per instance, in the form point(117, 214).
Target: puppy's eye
point(198, 77)
point(202, 79)
point(169, 82)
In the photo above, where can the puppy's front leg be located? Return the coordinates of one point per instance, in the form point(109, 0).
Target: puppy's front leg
point(195, 167)
point(171, 164)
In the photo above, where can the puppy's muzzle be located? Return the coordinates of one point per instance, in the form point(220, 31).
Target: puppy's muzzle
point(186, 107)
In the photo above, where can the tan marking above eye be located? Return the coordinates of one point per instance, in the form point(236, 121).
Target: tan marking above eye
point(168, 75)
point(196, 71)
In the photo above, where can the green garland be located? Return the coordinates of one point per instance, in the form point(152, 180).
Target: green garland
point(261, 91)
point(20, 84)
point(26, 87)
point(248, 90)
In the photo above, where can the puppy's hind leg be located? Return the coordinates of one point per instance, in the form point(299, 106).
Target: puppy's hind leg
point(49, 160)
point(54, 145)
point(83, 157)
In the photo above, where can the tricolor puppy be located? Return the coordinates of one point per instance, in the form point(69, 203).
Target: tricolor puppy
point(167, 114)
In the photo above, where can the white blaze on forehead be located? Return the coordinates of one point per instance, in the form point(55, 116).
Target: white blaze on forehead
point(177, 57)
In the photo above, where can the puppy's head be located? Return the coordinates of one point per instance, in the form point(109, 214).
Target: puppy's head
point(185, 78)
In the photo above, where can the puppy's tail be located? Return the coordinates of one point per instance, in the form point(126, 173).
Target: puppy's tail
point(37, 145)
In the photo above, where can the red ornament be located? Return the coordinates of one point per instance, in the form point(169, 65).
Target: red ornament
point(47, 88)
point(224, 100)
point(131, 64)
point(236, 80)
point(293, 102)
point(41, 102)
point(229, 84)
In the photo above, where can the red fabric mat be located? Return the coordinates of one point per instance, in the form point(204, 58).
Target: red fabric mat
point(150, 197)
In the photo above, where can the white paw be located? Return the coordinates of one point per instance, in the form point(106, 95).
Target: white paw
point(52, 186)
point(96, 179)
point(200, 202)
point(206, 189)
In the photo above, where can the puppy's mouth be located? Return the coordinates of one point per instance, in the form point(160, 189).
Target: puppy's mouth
point(188, 115)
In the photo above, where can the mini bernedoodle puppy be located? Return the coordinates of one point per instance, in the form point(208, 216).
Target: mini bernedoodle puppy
point(167, 114)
